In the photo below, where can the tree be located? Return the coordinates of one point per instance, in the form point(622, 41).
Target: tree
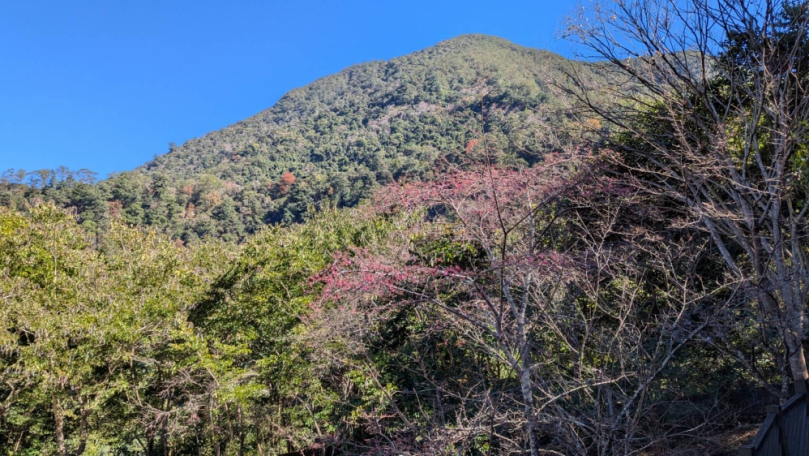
point(287, 178)
point(710, 103)
point(263, 301)
point(569, 319)
point(96, 351)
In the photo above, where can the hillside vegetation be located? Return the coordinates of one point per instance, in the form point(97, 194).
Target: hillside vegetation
point(333, 141)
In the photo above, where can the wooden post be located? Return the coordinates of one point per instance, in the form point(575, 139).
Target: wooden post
point(782, 438)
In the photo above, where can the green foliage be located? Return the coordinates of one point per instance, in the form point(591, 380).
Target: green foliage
point(137, 346)
point(263, 302)
point(93, 330)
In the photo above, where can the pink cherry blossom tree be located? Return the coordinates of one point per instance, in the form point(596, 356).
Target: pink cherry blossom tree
point(538, 270)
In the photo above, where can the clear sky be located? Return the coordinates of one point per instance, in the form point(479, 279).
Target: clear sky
point(107, 84)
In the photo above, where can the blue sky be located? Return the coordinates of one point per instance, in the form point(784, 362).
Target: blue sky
point(106, 85)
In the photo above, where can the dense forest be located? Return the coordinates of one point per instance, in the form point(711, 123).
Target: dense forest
point(477, 249)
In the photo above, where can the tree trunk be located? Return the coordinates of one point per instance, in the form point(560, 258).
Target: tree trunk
point(792, 330)
point(82, 425)
point(241, 431)
point(527, 396)
point(59, 428)
point(164, 437)
point(797, 361)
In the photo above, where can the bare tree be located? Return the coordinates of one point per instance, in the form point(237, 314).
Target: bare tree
point(708, 107)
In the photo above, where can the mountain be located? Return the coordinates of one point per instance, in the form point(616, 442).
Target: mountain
point(381, 111)
point(336, 139)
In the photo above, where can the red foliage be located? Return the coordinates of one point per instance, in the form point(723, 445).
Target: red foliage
point(487, 199)
point(470, 145)
point(287, 178)
point(494, 209)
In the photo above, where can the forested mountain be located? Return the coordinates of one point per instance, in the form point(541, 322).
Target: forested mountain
point(333, 141)
point(622, 270)
point(387, 119)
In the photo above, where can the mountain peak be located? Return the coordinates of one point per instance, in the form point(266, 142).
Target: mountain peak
point(475, 39)
point(478, 41)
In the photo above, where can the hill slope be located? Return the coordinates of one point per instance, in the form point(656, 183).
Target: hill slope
point(378, 111)
point(333, 141)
